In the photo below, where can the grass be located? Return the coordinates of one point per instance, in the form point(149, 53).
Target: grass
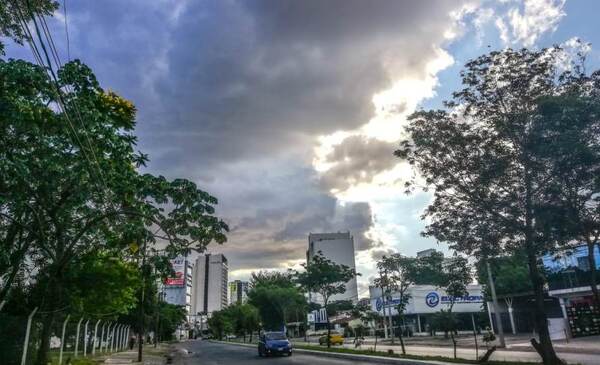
point(343, 350)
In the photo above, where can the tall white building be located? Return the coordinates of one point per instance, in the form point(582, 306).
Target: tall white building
point(209, 292)
point(238, 292)
point(339, 248)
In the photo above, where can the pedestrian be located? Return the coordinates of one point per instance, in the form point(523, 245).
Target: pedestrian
point(131, 342)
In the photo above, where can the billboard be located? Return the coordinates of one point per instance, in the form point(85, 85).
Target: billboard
point(178, 265)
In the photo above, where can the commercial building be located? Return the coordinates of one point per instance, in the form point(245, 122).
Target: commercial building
point(569, 280)
point(209, 292)
point(238, 292)
point(424, 302)
point(339, 248)
point(178, 289)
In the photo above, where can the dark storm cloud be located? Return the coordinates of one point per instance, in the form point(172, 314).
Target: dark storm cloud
point(356, 160)
point(232, 95)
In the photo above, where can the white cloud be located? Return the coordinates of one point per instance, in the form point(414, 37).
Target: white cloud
point(524, 26)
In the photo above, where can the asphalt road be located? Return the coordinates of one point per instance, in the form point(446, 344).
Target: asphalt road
point(210, 353)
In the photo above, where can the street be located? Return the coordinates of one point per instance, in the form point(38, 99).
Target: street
point(206, 352)
point(210, 353)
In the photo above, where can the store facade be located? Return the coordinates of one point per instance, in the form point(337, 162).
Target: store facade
point(427, 300)
point(569, 280)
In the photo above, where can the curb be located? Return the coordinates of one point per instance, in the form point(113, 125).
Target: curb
point(359, 357)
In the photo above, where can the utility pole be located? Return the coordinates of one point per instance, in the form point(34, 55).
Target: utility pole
point(496, 306)
point(142, 314)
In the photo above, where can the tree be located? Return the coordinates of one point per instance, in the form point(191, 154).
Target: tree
point(429, 269)
point(276, 297)
point(386, 286)
point(220, 324)
point(326, 278)
point(402, 274)
point(170, 317)
point(457, 275)
point(244, 319)
point(485, 157)
point(510, 274)
point(11, 13)
point(572, 213)
point(71, 195)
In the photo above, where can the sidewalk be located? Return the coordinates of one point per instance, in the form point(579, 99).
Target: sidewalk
point(468, 353)
point(151, 356)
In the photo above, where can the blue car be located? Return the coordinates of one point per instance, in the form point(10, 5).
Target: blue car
point(274, 343)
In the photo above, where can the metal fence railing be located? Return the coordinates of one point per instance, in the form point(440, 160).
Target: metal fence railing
point(70, 337)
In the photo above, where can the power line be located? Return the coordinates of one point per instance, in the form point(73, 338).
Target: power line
point(60, 101)
point(67, 32)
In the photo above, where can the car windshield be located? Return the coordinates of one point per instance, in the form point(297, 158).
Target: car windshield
point(275, 336)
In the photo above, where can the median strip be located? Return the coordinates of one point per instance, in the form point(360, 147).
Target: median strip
point(379, 357)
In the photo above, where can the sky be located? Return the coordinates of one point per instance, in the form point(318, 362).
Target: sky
point(289, 111)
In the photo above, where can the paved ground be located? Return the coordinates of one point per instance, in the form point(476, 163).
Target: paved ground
point(502, 355)
point(151, 356)
point(210, 353)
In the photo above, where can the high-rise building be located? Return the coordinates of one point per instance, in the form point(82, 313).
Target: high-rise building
point(426, 253)
point(210, 284)
point(339, 248)
point(238, 292)
point(178, 289)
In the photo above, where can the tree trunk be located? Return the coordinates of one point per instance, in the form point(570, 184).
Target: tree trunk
point(391, 323)
point(453, 342)
point(375, 348)
point(42, 356)
point(142, 318)
point(54, 293)
point(402, 342)
point(328, 324)
point(544, 347)
point(593, 272)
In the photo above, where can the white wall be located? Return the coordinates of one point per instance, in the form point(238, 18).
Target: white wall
point(429, 299)
point(339, 249)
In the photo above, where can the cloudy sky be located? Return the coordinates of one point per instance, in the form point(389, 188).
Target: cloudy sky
point(289, 111)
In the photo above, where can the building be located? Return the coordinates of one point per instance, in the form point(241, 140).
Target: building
point(569, 280)
point(238, 292)
point(426, 253)
point(210, 284)
point(339, 248)
point(178, 289)
point(425, 301)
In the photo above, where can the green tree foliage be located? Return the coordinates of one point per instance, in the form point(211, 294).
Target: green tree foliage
point(457, 275)
point(339, 306)
point(65, 195)
point(510, 274)
point(429, 269)
point(244, 319)
point(167, 320)
point(220, 324)
point(490, 158)
point(277, 298)
point(11, 13)
point(402, 272)
point(326, 278)
point(572, 211)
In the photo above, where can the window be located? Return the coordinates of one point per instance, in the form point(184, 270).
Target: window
point(583, 263)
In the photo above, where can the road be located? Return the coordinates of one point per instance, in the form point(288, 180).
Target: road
point(210, 353)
